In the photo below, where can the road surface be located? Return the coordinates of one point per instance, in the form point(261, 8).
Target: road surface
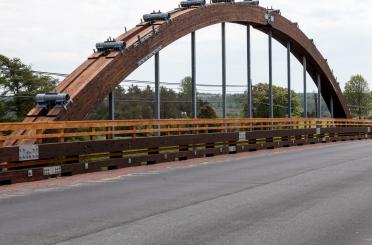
point(312, 195)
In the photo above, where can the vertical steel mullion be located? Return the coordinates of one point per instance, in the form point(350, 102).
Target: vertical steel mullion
point(111, 101)
point(271, 107)
point(319, 102)
point(249, 74)
point(289, 80)
point(305, 87)
point(223, 32)
point(193, 75)
point(157, 87)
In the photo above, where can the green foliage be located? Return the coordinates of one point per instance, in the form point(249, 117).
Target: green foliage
point(358, 96)
point(261, 102)
point(16, 79)
point(185, 96)
point(168, 108)
point(205, 110)
point(137, 103)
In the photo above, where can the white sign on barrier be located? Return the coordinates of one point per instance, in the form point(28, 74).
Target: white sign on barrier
point(242, 136)
point(232, 148)
point(55, 170)
point(28, 152)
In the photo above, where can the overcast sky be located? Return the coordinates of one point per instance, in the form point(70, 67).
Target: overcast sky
point(56, 36)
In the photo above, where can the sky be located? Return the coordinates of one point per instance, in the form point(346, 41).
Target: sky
point(57, 36)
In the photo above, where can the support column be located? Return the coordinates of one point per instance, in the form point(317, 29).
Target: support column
point(111, 101)
point(319, 102)
point(223, 32)
point(305, 88)
point(331, 110)
point(271, 107)
point(249, 73)
point(289, 80)
point(193, 76)
point(157, 87)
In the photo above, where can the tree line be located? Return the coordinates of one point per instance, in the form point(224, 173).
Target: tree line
point(19, 86)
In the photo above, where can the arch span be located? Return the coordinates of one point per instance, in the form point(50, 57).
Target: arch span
point(92, 81)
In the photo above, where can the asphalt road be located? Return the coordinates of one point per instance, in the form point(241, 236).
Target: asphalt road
point(311, 196)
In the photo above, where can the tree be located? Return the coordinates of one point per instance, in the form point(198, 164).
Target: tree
point(357, 95)
point(185, 95)
point(168, 103)
point(136, 103)
point(280, 101)
point(205, 110)
point(17, 79)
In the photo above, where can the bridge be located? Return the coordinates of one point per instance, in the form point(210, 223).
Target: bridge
point(51, 139)
point(187, 181)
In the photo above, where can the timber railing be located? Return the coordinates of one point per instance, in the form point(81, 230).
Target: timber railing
point(72, 131)
point(35, 151)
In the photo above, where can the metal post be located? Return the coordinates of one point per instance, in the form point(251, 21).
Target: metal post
point(305, 88)
point(319, 102)
point(111, 101)
point(271, 107)
point(193, 75)
point(223, 31)
point(331, 110)
point(157, 87)
point(289, 80)
point(249, 73)
point(111, 106)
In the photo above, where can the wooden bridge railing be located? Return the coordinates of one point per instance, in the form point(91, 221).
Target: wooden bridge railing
point(29, 133)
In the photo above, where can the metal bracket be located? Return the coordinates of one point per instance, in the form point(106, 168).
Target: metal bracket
point(149, 55)
point(269, 18)
point(28, 152)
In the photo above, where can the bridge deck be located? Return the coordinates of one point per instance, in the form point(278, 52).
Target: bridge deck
point(315, 195)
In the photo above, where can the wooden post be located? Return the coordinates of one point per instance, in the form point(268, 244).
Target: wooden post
point(61, 138)
point(108, 136)
point(93, 137)
point(39, 140)
point(1, 141)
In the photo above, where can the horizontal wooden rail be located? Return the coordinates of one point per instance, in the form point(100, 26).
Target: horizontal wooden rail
point(71, 131)
point(69, 158)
